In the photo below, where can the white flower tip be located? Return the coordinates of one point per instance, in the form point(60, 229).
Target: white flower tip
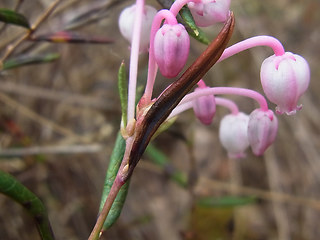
point(280, 111)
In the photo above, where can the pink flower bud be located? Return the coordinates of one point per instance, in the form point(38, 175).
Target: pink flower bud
point(233, 134)
point(208, 12)
point(284, 79)
point(204, 107)
point(171, 49)
point(262, 130)
point(127, 19)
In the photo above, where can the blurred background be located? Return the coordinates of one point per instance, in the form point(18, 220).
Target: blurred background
point(63, 118)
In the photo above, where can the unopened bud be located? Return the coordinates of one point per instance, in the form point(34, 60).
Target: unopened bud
point(171, 49)
point(262, 130)
point(204, 107)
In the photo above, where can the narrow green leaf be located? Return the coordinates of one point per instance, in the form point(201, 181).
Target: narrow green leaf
point(12, 17)
point(192, 28)
point(123, 92)
point(228, 201)
point(28, 60)
point(15, 190)
point(160, 159)
point(114, 164)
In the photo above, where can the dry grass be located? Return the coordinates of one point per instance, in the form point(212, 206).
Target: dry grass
point(73, 102)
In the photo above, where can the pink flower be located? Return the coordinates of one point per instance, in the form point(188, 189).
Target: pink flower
point(208, 12)
point(204, 107)
point(284, 79)
point(233, 134)
point(127, 20)
point(171, 49)
point(262, 130)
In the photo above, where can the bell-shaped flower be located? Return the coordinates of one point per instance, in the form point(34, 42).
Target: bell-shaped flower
point(262, 130)
point(171, 49)
point(233, 134)
point(208, 12)
point(204, 107)
point(284, 79)
point(127, 20)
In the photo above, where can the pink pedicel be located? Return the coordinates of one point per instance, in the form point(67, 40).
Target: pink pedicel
point(127, 21)
point(262, 130)
point(284, 79)
point(209, 12)
point(233, 134)
point(171, 49)
point(204, 107)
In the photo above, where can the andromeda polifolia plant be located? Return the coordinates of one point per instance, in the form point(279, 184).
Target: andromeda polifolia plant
point(284, 77)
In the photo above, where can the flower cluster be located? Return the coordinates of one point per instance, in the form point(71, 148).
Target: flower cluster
point(284, 75)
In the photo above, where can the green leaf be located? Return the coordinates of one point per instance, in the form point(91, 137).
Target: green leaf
point(192, 28)
point(15, 190)
point(123, 92)
point(28, 60)
point(160, 159)
point(12, 17)
point(228, 201)
point(115, 161)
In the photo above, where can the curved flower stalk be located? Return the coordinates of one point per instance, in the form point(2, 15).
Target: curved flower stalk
point(152, 65)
